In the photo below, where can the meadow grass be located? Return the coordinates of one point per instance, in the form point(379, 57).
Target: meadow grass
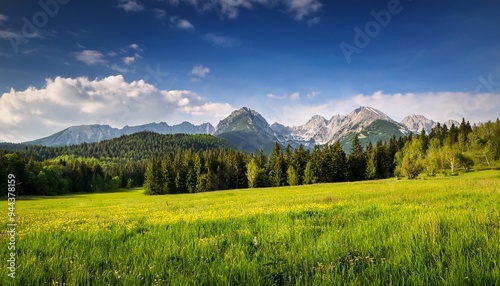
point(440, 231)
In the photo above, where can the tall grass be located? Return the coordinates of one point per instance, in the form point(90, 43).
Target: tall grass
point(444, 231)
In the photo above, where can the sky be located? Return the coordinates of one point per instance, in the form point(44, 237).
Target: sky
point(130, 62)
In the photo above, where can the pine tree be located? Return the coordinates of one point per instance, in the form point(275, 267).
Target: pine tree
point(357, 161)
point(277, 167)
point(153, 184)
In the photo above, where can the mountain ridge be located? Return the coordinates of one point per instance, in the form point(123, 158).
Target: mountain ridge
point(79, 134)
point(248, 130)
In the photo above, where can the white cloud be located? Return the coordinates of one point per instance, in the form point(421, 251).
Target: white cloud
point(90, 57)
point(215, 110)
point(135, 47)
point(160, 13)
point(313, 94)
point(3, 18)
point(128, 60)
point(93, 57)
point(300, 9)
point(131, 6)
point(118, 68)
point(200, 71)
point(295, 96)
point(6, 35)
point(181, 23)
point(37, 112)
point(273, 96)
point(438, 106)
point(222, 41)
point(185, 24)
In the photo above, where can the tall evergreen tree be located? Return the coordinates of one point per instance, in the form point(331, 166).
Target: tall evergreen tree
point(277, 167)
point(357, 161)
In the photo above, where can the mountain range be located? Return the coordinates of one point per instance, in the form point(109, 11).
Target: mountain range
point(95, 133)
point(249, 131)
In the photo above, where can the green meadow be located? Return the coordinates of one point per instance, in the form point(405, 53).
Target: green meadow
point(434, 231)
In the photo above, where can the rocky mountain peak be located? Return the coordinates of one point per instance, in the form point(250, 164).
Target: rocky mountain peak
point(417, 123)
point(243, 119)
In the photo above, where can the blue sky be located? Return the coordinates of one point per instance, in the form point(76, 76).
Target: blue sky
point(116, 62)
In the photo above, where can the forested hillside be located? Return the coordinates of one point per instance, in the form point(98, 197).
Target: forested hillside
point(166, 164)
point(94, 167)
point(137, 146)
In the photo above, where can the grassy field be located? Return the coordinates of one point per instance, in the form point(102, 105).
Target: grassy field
point(441, 231)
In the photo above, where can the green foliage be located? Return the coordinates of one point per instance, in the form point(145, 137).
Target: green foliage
point(292, 176)
point(410, 159)
point(357, 161)
point(130, 184)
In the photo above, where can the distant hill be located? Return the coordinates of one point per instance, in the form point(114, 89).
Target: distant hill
point(137, 146)
point(96, 133)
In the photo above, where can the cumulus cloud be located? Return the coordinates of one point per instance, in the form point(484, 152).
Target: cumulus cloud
point(90, 57)
point(131, 6)
point(93, 57)
point(3, 18)
point(200, 71)
point(37, 112)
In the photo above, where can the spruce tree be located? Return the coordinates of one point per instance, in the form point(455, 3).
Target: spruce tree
point(357, 161)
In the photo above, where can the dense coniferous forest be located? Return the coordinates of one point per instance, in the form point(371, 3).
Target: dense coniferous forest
point(167, 164)
point(137, 146)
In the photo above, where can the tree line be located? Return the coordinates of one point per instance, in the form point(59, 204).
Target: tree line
point(204, 166)
point(189, 171)
point(63, 175)
point(92, 167)
point(443, 150)
point(449, 149)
